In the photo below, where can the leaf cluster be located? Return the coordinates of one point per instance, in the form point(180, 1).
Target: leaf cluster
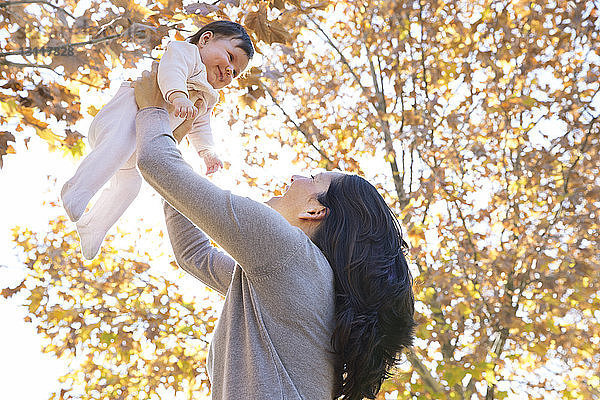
point(126, 331)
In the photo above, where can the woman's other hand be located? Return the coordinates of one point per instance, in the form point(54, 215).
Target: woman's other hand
point(147, 93)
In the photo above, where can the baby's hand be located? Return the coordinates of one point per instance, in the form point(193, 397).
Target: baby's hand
point(212, 161)
point(184, 108)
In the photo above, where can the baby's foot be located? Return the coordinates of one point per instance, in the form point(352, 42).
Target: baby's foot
point(73, 202)
point(91, 238)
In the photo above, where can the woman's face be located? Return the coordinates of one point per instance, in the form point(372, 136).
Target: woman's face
point(299, 204)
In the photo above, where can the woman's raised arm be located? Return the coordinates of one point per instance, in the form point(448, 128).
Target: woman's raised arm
point(256, 236)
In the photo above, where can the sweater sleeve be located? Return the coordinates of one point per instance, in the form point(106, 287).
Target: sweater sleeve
point(200, 135)
point(195, 254)
point(176, 65)
point(258, 238)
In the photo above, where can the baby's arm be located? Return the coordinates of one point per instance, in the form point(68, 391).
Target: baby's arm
point(175, 67)
point(211, 160)
point(184, 107)
point(200, 136)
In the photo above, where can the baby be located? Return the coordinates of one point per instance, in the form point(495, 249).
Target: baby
point(188, 75)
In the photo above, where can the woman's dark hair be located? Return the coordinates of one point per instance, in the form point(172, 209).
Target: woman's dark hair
point(362, 240)
point(228, 30)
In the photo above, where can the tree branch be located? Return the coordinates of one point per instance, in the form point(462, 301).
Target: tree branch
point(22, 65)
point(342, 57)
point(382, 92)
point(464, 224)
point(582, 150)
point(393, 162)
point(567, 175)
point(427, 112)
point(470, 388)
point(330, 163)
point(424, 373)
point(98, 40)
point(391, 154)
point(380, 108)
point(77, 44)
point(423, 51)
point(25, 65)
point(497, 348)
point(11, 3)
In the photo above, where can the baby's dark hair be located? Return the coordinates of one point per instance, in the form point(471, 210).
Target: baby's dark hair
point(229, 30)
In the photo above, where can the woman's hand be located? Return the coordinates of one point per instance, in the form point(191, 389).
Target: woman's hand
point(147, 93)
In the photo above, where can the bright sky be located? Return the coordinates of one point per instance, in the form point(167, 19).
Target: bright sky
point(19, 343)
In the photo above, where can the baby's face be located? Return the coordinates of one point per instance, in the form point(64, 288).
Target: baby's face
point(223, 59)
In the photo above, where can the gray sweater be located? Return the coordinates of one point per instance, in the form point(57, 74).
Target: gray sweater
point(273, 338)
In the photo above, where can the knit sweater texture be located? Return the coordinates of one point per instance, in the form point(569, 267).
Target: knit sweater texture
point(273, 338)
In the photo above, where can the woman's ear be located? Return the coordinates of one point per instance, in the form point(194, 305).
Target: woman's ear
point(314, 213)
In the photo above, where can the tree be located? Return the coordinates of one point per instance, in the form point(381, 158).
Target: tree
point(479, 120)
point(132, 333)
point(48, 54)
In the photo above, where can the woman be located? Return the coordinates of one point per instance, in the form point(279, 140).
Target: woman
point(318, 295)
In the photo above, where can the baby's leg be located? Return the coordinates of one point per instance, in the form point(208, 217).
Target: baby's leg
point(114, 200)
point(112, 137)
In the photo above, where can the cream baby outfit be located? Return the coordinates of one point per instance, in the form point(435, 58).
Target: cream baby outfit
point(112, 138)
